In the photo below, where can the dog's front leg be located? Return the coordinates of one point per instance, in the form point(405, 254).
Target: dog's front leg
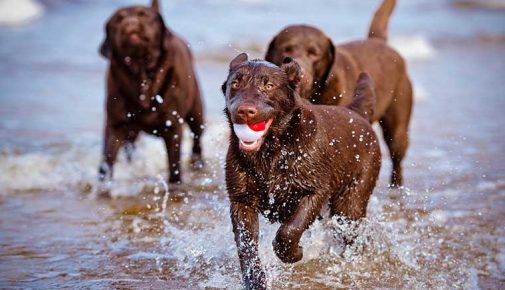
point(245, 227)
point(173, 139)
point(115, 136)
point(286, 243)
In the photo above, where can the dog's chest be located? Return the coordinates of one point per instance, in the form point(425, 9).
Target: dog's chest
point(280, 198)
point(157, 119)
point(281, 185)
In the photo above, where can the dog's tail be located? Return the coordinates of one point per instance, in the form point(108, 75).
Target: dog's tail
point(379, 25)
point(363, 101)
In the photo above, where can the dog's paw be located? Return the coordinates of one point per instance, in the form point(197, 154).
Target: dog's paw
point(103, 189)
point(175, 179)
point(197, 162)
point(396, 180)
point(103, 193)
point(254, 277)
point(104, 172)
point(177, 187)
point(287, 252)
point(129, 149)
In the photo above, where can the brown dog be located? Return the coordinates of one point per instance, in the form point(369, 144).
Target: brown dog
point(287, 158)
point(329, 75)
point(151, 87)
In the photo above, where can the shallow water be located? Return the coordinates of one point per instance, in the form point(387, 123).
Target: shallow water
point(444, 230)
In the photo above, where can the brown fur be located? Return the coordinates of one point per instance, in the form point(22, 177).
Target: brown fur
point(148, 60)
point(311, 155)
point(329, 73)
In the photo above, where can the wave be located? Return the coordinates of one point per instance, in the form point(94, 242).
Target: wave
point(420, 92)
point(397, 251)
point(75, 165)
point(19, 12)
point(487, 4)
point(413, 47)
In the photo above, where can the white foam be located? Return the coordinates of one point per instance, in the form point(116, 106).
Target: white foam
point(489, 4)
point(211, 251)
point(413, 47)
point(501, 258)
point(70, 165)
point(19, 12)
point(420, 92)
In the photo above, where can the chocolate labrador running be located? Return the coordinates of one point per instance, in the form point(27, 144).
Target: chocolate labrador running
point(329, 75)
point(287, 158)
point(151, 87)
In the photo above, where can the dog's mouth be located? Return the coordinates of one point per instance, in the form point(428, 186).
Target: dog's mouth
point(251, 136)
point(135, 38)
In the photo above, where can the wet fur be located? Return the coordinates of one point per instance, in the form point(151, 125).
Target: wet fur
point(308, 160)
point(161, 66)
point(330, 75)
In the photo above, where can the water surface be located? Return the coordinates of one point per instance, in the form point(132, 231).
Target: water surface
point(444, 230)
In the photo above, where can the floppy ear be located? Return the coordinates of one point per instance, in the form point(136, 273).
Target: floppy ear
point(106, 47)
point(339, 69)
point(292, 70)
point(166, 34)
point(239, 59)
point(331, 51)
point(223, 87)
point(155, 6)
point(269, 56)
point(363, 101)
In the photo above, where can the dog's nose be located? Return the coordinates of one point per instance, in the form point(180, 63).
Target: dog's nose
point(247, 112)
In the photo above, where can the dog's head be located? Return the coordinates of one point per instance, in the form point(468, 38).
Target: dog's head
point(135, 34)
point(259, 95)
point(310, 48)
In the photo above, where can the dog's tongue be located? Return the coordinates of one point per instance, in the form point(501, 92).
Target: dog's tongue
point(134, 38)
point(260, 126)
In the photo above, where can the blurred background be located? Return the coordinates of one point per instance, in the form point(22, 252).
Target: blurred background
point(444, 230)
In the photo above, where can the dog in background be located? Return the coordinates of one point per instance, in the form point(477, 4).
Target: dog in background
point(329, 73)
point(151, 87)
point(288, 158)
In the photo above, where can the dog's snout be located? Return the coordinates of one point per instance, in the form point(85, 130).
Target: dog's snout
point(303, 72)
point(247, 112)
point(131, 20)
point(131, 24)
point(303, 63)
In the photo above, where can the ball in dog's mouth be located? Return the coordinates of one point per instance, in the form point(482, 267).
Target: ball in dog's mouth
point(252, 135)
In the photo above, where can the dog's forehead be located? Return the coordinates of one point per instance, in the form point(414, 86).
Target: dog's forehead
point(132, 9)
point(258, 68)
point(292, 34)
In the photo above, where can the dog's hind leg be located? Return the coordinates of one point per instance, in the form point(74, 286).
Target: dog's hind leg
point(395, 125)
point(351, 199)
point(129, 146)
point(196, 124)
point(350, 204)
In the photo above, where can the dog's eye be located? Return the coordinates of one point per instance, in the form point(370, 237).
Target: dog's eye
point(235, 85)
point(288, 49)
point(312, 51)
point(269, 86)
point(120, 16)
